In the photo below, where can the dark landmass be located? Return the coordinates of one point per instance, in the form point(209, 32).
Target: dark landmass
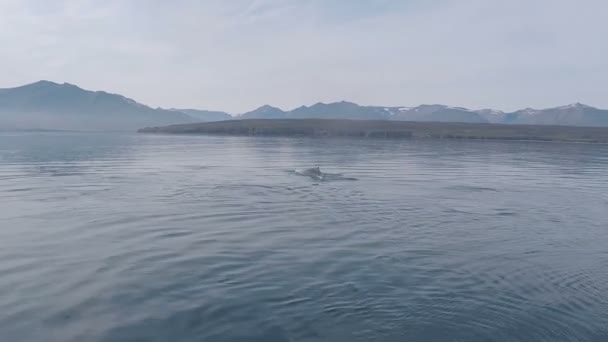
point(388, 129)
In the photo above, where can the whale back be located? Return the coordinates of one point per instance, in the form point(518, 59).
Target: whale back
point(315, 171)
point(316, 174)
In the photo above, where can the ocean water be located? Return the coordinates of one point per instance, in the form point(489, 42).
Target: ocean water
point(126, 237)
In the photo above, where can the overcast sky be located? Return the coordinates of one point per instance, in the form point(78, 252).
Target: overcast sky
point(236, 55)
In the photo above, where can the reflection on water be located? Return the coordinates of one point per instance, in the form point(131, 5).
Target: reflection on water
point(110, 237)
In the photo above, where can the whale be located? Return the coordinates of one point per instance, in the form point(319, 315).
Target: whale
point(316, 174)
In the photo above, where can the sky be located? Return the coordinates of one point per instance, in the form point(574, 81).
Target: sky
point(237, 55)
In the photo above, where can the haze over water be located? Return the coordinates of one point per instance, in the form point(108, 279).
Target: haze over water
point(124, 237)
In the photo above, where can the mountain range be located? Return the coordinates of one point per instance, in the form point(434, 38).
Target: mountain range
point(49, 105)
point(576, 114)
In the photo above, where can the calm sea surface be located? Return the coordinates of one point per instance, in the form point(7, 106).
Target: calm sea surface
point(125, 237)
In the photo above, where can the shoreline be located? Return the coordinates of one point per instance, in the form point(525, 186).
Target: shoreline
point(322, 128)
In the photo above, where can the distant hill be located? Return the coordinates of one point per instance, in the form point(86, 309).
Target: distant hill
point(264, 112)
point(49, 105)
point(336, 110)
point(353, 111)
point(206, 115)
point(491, 115)
point(339, 110)
point(439, 113)
point(571, 115)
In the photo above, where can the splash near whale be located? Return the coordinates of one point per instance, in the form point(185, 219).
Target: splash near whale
point(315, 173)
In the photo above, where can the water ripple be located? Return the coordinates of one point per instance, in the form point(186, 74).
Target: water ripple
point(153, 238)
